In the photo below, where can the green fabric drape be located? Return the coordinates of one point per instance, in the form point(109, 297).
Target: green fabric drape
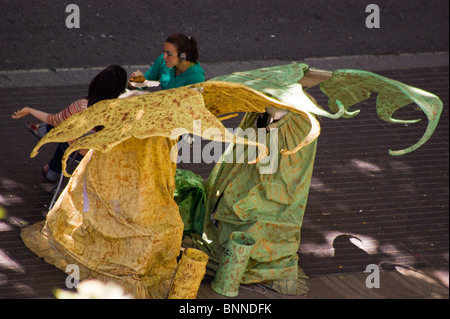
point(190, 195)
point(268, 207)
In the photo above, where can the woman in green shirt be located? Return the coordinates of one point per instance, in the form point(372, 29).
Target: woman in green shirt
point(178, 65)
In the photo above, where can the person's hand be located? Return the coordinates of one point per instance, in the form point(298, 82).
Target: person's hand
point(21, 113)
point(136, 74)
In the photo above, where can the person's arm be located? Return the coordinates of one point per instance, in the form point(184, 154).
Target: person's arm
point(40, 115)
point(76, 107)
point(154, 73)
point(52, 119)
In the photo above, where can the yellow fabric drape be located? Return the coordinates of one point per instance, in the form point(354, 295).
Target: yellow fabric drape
point(117, 218)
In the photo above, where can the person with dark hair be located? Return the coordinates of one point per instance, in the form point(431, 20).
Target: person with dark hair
point(178, 65)
point(108, 84)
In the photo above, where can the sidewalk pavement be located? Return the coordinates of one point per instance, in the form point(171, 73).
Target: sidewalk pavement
point(365, 207)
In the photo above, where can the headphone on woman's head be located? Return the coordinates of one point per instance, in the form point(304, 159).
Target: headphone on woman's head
point(182, 57)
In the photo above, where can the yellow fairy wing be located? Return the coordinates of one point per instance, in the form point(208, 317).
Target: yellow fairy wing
point(167, 113)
